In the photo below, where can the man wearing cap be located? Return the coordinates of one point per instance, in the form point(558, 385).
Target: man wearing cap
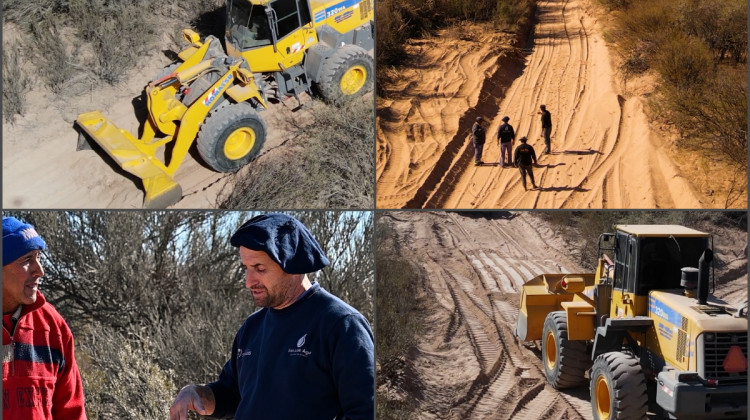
point(506, 136)
point(305, 355)
point(40, 374)
point(478, 137)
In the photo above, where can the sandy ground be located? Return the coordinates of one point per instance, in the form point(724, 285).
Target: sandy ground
point(467, 363)
point(604, 153)
point(43, 170)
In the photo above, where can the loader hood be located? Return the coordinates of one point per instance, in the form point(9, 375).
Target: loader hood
point(672, 306)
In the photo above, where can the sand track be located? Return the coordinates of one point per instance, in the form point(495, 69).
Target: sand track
point(478, 291)
point(468, 363)
point(604, 154)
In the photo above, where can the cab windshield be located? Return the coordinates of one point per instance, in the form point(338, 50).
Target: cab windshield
point(247, 25)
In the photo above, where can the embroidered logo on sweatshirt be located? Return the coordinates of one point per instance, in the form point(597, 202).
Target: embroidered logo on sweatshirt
point(300, 351)
point(240, 353)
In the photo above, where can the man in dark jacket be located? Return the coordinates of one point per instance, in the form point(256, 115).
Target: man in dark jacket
point(305, 355)
point(524, 158)
point(546, 127)
point(40, 376)
point(506, 136)
point(478, 137)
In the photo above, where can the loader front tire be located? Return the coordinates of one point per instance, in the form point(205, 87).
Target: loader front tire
point(346, 74)
point(565, 361)
point(231, 137)
point(618, 388)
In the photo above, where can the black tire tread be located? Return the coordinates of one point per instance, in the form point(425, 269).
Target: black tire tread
point(628, 385)
point(329, 86)
point(572, 358)
point(214, 125)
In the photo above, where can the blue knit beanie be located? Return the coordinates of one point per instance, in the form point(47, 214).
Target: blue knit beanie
point(19, 239)
point(285, 239)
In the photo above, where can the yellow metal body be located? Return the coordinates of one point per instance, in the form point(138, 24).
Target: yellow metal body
point(544, 294)
point(171, 118)
point(678, 321)
point(341, 15)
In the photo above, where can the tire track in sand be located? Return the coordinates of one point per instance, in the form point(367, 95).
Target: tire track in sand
point(462, 255)
point(604, 152)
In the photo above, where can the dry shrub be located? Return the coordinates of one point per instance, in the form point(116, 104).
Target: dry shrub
point(16, 83)
point(398, 320)
point(684, 61)
point(121, 377)
point(54, 63)
point(329, 165)
point(699, 51)
point(712, 116)
point(399, 20)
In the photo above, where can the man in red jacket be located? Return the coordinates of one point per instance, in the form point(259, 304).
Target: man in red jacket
point(40, 374)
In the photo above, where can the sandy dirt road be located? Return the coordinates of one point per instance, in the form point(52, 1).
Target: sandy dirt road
point(604, 154)
point(467, 363)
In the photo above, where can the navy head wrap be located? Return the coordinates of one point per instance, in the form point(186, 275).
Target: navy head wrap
point(285, 239)
point(19, 239)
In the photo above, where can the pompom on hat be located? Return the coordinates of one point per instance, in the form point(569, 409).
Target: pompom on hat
point(285, 239)
point(19, 239)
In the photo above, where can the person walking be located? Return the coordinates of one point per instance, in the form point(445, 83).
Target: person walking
point(506, 136)
point(305, 354)
point(524, 157)
point(477, 137)
point(546, 127)
point(41, 380)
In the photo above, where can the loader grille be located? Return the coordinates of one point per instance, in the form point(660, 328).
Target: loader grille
point(715, 351)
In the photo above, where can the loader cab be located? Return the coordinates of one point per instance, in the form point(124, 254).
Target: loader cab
point(650, 257)
point(269, 35)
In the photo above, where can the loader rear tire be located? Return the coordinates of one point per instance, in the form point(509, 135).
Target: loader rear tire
point(618, 388)
point(231, 137)
point(565, 361)
point(346, 74)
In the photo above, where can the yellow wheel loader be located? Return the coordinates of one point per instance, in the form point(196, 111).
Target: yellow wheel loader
point(646, 318)
point(274, 49)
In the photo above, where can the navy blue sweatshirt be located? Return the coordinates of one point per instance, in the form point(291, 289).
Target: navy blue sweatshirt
point(311, 360)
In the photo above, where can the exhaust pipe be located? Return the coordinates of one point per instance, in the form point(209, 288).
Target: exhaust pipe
point(703, 264)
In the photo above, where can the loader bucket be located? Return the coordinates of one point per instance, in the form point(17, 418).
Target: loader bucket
point(134, 156)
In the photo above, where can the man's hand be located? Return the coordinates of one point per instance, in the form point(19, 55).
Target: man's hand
point(198, 398)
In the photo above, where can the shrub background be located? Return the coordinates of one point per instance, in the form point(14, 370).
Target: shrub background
point(698, 50)
point(154, 299)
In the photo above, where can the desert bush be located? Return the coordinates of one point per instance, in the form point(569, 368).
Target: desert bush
point(721, 25)
point(119, 33)
point(330, 163)
point(121, 378)
point(684, 62)
point(711, 116)
point(699, 51)
point(26, 13)
point(399, 20)
point(16, 83)
point(53, 61)
point(397, 324)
